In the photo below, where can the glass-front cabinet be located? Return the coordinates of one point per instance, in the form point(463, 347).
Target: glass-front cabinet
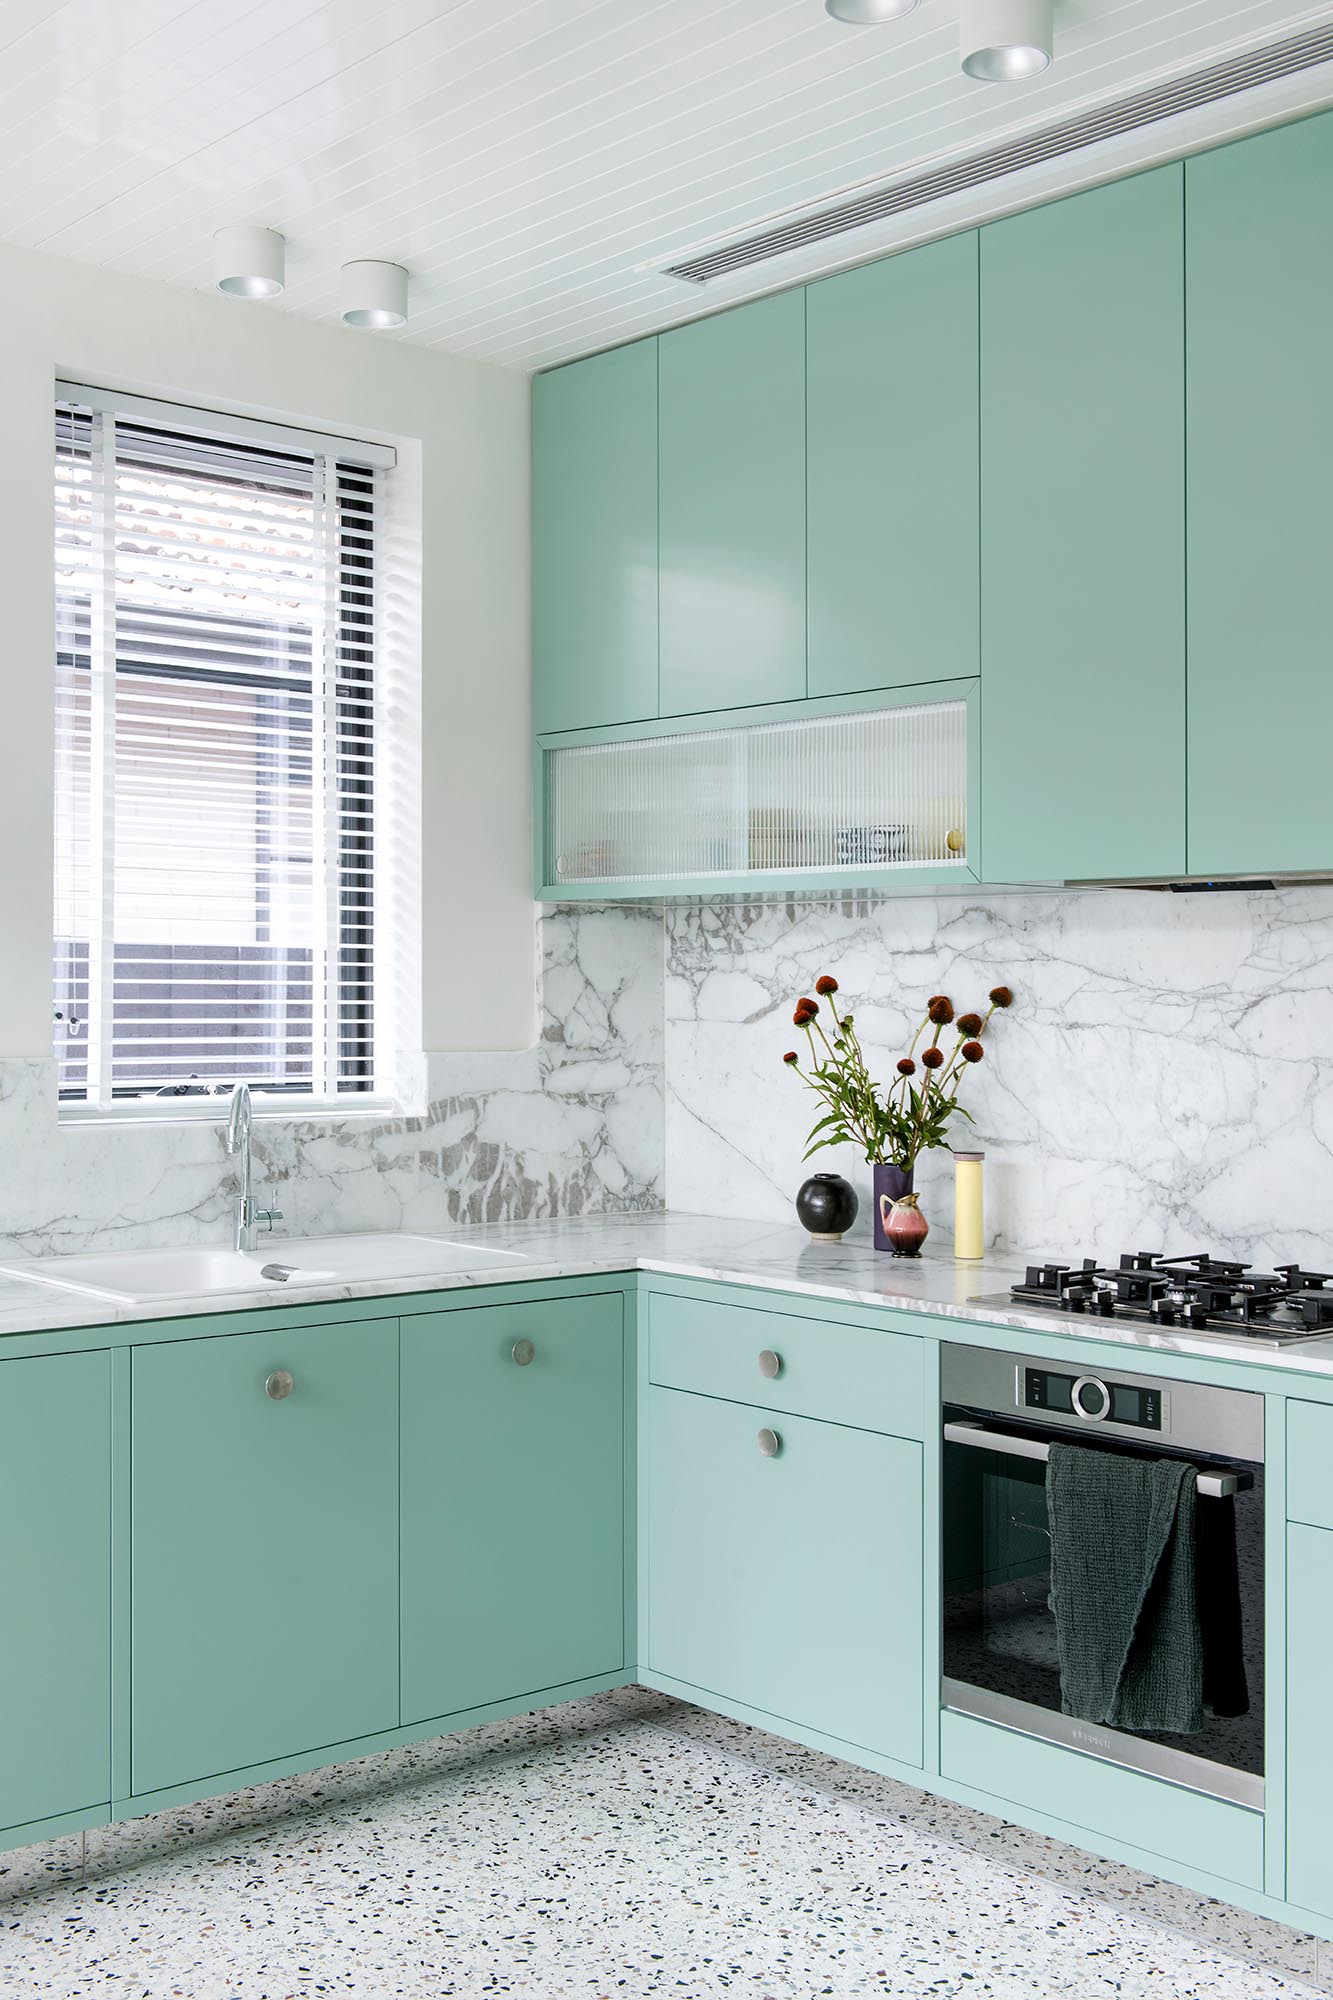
point(852, 795)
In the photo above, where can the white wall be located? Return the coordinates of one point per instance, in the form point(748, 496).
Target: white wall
point(61, 319)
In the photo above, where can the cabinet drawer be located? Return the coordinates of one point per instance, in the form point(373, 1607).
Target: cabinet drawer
point(811, 1367)
point(1099, 1798)
point(1310, 1463)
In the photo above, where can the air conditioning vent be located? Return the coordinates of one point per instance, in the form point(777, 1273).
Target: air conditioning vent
point(1126, 114)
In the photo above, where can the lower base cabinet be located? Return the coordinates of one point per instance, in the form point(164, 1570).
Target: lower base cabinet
point(265, 1537)
point(1310, 1757)
point(513, 1509)
point(55, 1586)
point(786, 1567)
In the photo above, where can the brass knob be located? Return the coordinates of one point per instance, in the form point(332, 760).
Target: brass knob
point(523, 1351)
point(770, 1444)
point(770, 1364)
point(279, 1385)
point(955, 841)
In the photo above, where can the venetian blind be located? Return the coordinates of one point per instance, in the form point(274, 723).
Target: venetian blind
point(215, 851)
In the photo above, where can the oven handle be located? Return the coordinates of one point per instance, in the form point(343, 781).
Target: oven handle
point(1212, 1485)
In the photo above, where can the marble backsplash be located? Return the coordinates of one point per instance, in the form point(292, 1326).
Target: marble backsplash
point(1164, 1080)
point(570, 1127)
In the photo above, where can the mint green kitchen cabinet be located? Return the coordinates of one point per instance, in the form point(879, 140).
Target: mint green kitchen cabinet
point(55, 1586)
point(893, 446)
point(594, 540)
point(1260, 331)
point(1309, 1738)
point(264, 1522)
point(1082, 535)
point(513, 1503)
point(732, 494)
point(785, 1567)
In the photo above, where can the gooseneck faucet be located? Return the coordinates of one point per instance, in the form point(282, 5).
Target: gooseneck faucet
point(247, 1214)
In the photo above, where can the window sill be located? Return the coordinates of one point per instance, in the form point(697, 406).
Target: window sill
point(184, 1112)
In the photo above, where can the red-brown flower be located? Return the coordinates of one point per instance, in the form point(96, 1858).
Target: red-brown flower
point(805, 1012)
point(940, 1010)
point(1000, 996)
point(906, 1067)
point(932, 1057)
point(970, 1024)
point(972, 1052)
point(791, 1056)
point(824, 984)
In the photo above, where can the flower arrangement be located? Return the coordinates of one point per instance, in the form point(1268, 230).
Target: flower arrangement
point(892, 1127)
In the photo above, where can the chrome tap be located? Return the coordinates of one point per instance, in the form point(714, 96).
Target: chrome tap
point(246, 1213)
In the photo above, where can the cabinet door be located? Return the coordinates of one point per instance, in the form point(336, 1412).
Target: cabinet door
point(1082, 536)
point(55, 1586)
point(594, 540)
point(732, 421)
point(893, 477)
point(1260, 502)
point(513, 1501)
point(790, 1583)
point(265, 1533)
point(1309, 1739)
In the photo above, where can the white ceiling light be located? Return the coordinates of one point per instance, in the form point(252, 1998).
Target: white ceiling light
point(868, 13)
point(374, 294)
point(1004, 41)
point(248, 262)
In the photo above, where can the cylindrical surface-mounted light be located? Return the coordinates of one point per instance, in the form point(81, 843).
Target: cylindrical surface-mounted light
point(1004, 41)
point(249, 262)
point(868, 13)
point(374, 294)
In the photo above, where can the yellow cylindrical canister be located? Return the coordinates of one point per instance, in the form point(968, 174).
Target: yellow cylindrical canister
point(969, 1235)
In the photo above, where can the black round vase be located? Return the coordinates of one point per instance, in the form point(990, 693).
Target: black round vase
point(827, 1206)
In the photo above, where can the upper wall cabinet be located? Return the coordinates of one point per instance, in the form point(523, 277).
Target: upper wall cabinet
point(732, 431)
point(1260, 333)
point(594, 535)
point(1082, 512)
point(893, 443)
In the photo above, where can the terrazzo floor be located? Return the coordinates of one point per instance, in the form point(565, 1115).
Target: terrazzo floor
point(623, 1846)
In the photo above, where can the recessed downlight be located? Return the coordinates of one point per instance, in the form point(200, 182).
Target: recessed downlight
point(249, 262)
point(1005, 41)
point(868, 13)
point(374, 294)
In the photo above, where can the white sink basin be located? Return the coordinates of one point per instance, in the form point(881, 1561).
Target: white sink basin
point(281, 1265)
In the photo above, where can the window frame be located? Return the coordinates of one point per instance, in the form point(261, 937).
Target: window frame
point(338, 453)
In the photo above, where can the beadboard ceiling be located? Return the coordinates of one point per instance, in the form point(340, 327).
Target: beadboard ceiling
point(533, 162)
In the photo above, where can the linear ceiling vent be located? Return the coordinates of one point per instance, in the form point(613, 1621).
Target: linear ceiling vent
point(1126, 114)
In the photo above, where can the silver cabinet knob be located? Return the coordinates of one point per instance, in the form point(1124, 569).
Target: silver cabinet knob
point(770, 1364)
point(770, 1444)
point(279, 1385)
point(523, 1352)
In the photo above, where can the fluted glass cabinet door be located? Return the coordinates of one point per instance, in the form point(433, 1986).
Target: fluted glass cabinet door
point(850, 796)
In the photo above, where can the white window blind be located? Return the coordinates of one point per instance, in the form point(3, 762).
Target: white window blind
point(216, 711)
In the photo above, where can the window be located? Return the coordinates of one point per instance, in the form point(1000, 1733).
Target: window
point(216, 747)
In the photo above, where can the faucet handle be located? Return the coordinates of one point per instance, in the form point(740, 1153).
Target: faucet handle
point(268, 1216)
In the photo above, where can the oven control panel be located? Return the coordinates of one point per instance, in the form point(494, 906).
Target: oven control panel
point(1094, 1400)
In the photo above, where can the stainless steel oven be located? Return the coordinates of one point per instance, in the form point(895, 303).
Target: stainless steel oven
point(1001, 1413)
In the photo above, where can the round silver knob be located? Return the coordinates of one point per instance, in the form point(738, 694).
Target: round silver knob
point(279, 1385)
point(523, 1352)
point(770, 1444)
point(770, 1364)
point(1091, 1399)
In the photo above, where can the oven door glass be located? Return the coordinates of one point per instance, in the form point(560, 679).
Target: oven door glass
point(999, 1631)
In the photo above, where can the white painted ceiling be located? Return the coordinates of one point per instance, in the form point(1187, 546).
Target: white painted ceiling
point(532, 162)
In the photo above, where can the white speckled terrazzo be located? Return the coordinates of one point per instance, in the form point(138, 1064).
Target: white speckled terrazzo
point(619, 1846)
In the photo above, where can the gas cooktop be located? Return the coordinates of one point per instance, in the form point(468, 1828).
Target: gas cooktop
point(1197, 1293)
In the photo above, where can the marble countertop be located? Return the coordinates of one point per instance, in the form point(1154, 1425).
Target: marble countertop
point(763, 1254)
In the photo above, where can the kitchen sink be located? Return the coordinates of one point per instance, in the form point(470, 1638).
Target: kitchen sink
point(283, 1265)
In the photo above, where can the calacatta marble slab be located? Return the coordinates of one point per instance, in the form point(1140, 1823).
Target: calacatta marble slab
point(752, 1254)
